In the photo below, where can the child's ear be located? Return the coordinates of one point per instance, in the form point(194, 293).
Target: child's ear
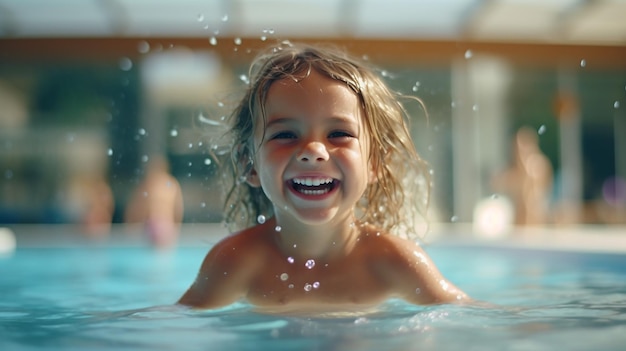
point(252, 178)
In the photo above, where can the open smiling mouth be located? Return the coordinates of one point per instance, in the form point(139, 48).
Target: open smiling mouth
point(313, 186)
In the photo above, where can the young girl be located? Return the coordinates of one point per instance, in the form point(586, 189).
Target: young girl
point(322, 150)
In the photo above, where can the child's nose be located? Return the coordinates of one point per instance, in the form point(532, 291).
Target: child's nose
point(313, 151)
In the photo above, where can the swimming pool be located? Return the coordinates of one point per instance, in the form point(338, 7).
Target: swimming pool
point(63, 292)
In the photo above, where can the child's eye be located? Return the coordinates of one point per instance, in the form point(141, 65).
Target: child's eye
point(340, 134)
point(283, 135)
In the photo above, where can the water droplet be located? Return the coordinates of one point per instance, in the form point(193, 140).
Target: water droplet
point(290, 259)
point(309, 264)
point(110, 152)
point(263, 38)
point(278, 228)
point(225, 18)
point(418, 291)
point(361, 320)
point(284, 277)
point(474, 108)
point(454, 219)
point(203, 204)
point(143, 47)
point(173, 132)
point(244, 79)
point(307, 287)
point(213, 41)
point(260, 219)
point(468, 54)
point(416, 86)
point(142, 131)
point(290, 286)
point(316, 285)
point(542, 129)
point(144, 158)
point(583, 63)
point(616, 104)
point(125, 64)
point(237, 41)
point(201, 17)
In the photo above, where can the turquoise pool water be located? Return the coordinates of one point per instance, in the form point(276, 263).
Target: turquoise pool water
point(105, 297)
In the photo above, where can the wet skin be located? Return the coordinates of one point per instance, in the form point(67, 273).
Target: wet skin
point(312, 162)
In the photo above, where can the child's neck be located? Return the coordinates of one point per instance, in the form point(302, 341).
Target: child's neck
point(299, 240)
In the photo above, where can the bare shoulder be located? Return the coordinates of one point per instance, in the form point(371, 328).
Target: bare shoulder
point(227, 270)
point(239, 246)
point(408, 270)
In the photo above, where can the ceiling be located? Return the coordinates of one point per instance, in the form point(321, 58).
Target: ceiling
point(595, 22)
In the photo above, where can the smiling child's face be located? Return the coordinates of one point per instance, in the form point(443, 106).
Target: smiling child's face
point(312, 160)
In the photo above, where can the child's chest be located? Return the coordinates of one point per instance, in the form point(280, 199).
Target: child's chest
point(286, 281)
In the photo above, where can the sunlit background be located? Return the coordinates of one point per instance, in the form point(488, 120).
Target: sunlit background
point(92, 90)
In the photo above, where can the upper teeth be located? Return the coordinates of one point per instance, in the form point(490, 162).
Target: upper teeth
point(312, 181)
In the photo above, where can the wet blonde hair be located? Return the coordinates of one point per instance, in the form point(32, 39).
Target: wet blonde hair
point(400, 194)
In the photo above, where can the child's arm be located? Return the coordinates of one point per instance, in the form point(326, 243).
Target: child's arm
point(222, 279)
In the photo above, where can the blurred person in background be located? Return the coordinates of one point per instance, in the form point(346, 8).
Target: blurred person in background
point(528, 182)
point(157, 203)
